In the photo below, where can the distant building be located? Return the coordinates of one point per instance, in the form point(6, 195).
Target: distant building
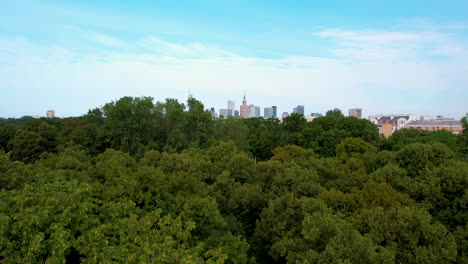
point(223, 113)
point(299, 109)
point(236, 113)
point(316, 114)
point(454, 126)
point(274, 111)
point(429, 118)
point(35, 116)
point(254, 111)
point(50, 114)
point(244, 108)
point(213, 112)
point(284, 115)
point(386, 130)
point(310, 118)
point(267, 112)
point(251, 110)
point(396, 121)
point(257, 111)
point(230, 108)
point(355, 112)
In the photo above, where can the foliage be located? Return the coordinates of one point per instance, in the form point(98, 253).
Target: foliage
point(138, 181)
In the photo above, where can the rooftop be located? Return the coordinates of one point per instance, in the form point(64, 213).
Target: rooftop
point(435, 122)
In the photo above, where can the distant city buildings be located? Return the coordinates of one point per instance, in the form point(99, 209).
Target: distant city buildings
point(251, 110)
point(254, 111)
point(268, 112)
point(223, 113)
point(429, 118)
point(213, 113)
point(387, 124)
point(230, 111)
point(244, 108)
point(355, 112)
point(454, 126)
point(299, 109)
point(50, 114)
point(230, 108)
point(395, 122)
point(310, 118)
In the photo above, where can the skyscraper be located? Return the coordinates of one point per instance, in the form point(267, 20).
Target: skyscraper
point(230, 105)
point(251, 110)
point(257, 111)
point(274, 111)
point(299, 109)
point(223, 113)
point(267, 112)
point(356, 112)
point(244, 109)
point(213, 112)
point(50, 114)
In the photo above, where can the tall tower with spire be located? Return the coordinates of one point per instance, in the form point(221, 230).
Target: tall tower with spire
point(244, 108)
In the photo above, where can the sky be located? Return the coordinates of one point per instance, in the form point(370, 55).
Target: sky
point(387, 57)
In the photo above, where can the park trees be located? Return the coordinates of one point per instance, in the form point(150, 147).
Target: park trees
point(143, 182)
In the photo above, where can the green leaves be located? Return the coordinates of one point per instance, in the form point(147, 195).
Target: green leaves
point(141, 182)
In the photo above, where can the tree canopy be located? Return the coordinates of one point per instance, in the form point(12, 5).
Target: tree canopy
point(138, 181)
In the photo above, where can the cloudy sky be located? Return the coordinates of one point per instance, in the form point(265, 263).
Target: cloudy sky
point(384, 56)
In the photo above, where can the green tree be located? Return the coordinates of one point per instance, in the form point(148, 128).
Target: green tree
point(334, 112)
point(130, 123)
point(7, 133)
point(354, 148)
point(27, 146)
point(409, 233)
point(416, 157)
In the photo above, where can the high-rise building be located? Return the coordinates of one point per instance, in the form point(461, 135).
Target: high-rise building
point(213, 112)
point(230, 105)
point(223, 113)
point(50, 114)
point(299, 109)
point(257, 111)
point(236, 113)
point(356, 112)
point(251, 110)
point(274, 111)
point(244, 109)
point(316, 114)
point(267, 112)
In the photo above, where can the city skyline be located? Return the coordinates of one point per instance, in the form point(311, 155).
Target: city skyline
point(385, 57)
point(261, 108)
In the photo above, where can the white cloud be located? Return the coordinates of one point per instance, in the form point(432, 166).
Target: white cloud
point(390, 45)
point(106, 40)
point(380, 71)
point(158, 46)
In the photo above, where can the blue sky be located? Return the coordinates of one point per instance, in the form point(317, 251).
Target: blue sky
point(383, 56)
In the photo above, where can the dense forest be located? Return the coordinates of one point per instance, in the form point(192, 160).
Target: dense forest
point(139, 181)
